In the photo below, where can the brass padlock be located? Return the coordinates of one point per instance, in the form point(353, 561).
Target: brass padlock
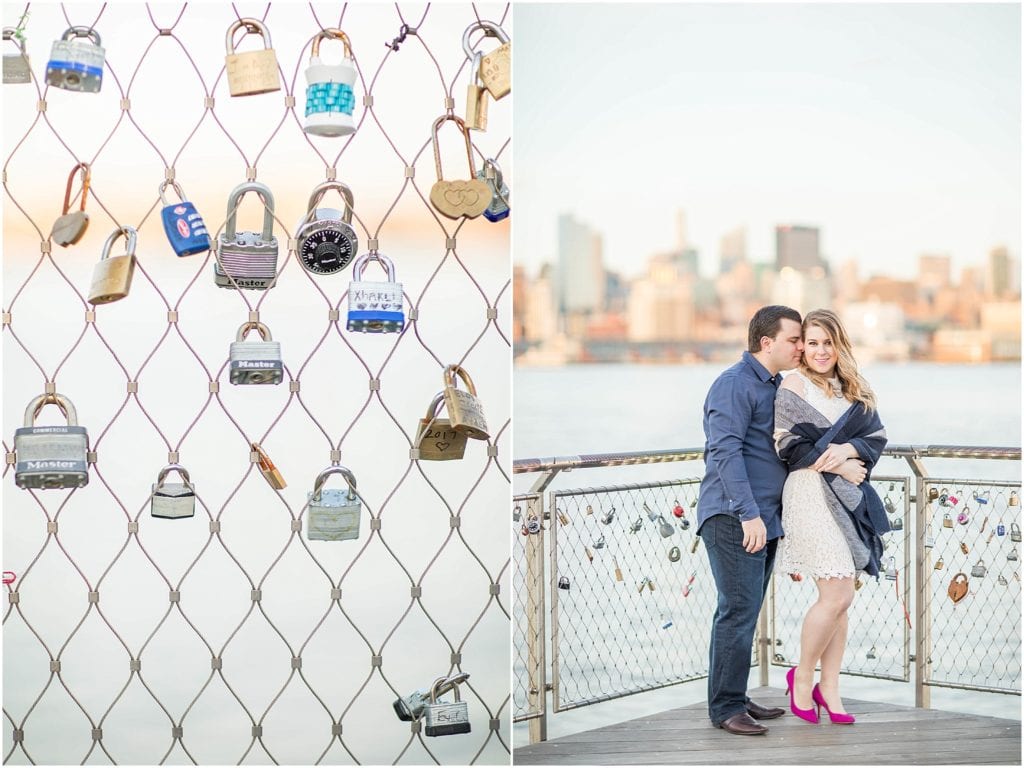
point(496, 66)
point(112, 277)
point(436, 439)
point(563, 518)
point(464, 409)
point(933, 494)
point(173, 500)
point(963, 547)
point(618, 571)
point(1014, 501)
point(267, 468)
point(456, 199)
point(947, 521)
point(939, 564)
point(69, 227)
point(16, 65)
point(476, 98)
point(251, 72)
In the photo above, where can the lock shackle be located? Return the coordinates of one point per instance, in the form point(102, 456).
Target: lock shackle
point(253, 325)
point(465, 135)
point(449, 378)
point(1014, 528)
point(321, 189)
point(489, 28)
point(490, 162)
point(442, 685)
point(474, 68)
point(86, 178)
point(177, 189)
point(331, 33)
point(89, 32)
point(172, 468)
point(129, 233)
point(9, 35)
point(65, 405)
point(252, 27)
point(234, 199)
point(359, 266)
point(433, 411)
point(334, 469)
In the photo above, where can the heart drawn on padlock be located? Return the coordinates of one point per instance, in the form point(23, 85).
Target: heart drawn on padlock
point(957, 588)
point(441, 445)
point(456, 199)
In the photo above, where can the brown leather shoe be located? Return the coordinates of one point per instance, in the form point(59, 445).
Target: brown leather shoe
point(758, 712)
point(742, 725)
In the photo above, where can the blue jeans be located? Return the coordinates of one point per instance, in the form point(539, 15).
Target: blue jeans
point(742, 580)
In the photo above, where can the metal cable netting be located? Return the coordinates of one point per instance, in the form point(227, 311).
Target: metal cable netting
point(528, 627)
point(235, 635)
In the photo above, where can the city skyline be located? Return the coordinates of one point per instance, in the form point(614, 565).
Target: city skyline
point(883, 125)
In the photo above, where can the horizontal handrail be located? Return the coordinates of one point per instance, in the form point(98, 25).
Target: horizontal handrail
point(590, 460)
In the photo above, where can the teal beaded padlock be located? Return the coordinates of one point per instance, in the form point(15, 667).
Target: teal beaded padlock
point(330, 99)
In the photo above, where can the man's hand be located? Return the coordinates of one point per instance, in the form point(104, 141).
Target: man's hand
point(755, 535)
point(853, 470)
point(833, 457)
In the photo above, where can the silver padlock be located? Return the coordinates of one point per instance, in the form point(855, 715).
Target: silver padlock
point(445, 718)
point(665, 528)
point(51, 457)
point(333, 515)
point(979, 570)
point(636, 525)
point(491, 175)
point(327, 241)
point(599, 544)
point(608, 516)
point(890, 570)
point(563, 583)
point(651, 514)
point(16, 65)
point(1011, 555)
point(897, 524)
point(375, 307)
point(1014, 532)
point(75, 65)
point(412, 706)
point(247, 259)
point(256, 362)
point(872, 654)
point(173, 500)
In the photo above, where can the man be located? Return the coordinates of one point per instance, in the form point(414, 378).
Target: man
point(740, 509)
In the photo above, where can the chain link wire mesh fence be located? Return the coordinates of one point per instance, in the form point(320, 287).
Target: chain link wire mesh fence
point(230, 637)
point(528, 636)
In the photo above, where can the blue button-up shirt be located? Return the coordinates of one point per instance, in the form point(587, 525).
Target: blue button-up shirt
point(743, 474)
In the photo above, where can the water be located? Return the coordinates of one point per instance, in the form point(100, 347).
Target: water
point(608, 408)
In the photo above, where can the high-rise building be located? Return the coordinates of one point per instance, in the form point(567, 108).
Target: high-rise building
point(660, 306)
point(797, 247)
point(581, 279)
point(1000, 275)
point(732, 249)
point(934, 271)
point(520, 284)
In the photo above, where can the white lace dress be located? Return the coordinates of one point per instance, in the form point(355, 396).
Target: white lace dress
point(813, 545)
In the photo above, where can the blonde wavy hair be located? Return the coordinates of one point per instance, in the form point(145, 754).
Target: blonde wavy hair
point(854, 386)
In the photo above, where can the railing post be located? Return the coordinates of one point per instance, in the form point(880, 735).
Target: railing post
point(764, 650)
point(536, 632)
point(922, 601)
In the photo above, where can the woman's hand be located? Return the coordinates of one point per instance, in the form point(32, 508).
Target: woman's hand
point(853, 470)
point(796, 577)
point(833, 457)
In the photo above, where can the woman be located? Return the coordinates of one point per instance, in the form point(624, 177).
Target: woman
point(828, 431)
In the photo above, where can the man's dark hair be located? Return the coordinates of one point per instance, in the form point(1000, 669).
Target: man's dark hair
point(766, 322)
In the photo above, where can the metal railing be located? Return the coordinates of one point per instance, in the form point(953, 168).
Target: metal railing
point(631, 594)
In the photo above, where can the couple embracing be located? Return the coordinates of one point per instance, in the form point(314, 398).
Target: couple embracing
point(787, 463)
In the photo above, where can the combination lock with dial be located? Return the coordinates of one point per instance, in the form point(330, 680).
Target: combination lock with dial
point(327, 241)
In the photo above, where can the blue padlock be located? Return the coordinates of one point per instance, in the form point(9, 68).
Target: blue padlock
point(375, 307)
point(1000, 530)
point(490, 173)
point(183, 224)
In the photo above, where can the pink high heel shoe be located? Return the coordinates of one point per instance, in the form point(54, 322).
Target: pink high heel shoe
point(803, 714)
point(837, 718)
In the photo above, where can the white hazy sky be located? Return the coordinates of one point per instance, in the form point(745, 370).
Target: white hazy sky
point(894, 128)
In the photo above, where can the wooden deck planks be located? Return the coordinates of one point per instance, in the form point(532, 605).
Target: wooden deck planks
point(884, 734)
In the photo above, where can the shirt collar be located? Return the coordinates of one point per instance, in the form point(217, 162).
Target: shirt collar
point(761, 372)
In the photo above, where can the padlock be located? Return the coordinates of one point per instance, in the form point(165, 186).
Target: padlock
point(981, 498)
point(183, 225)
point(517, 513)
point(929, 539)
point(496, 66)
point(374, 306)
point(947, 521)
point(333, 514)
point(75, 65)
point(1002, 580)
point(1014, 532)
point(1012, 555)
point(173, 500)
point(1014, 501)
point(464, 409)
point(456, 199)
point(599, 544)
point(618, 571)
point(857, 584)
point(69, 227)
point(590, 555)
point(255, 362)
point(267, 468)
point(964, 517)
point(897, 524)
point(684, 524)
point(330, 99)
point(9, 577)
point(532, 524)
point(958, 588)
point(665, 528)
point(984, 524)
point(650, 585)
point(499, 207)
point(563, 518)
point(872, 653)
point(247, 259)
point(327, 241)
point(933, 494)
point(608, 516)
point(51, 457)
point(444, 718)
point(436, 439)
point(251, 72)
point(890, 570)
point(651, 514)
point(979, 570)
point(640, 587)
point(476, 97)
point(674, 555)
point(677, 510)
point(112, 277)
point(16, 65)
point(666, 623)
point(696, 543)
point(590, 510)
point(890, 508)
point(939, 564)
point(688, 587)
point(636, 525)
point(963, 547)
point(944, 498)
point(412, 706)
point(1000, 529)
point(563, 582)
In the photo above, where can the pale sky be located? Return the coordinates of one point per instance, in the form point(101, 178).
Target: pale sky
point(894, 128)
